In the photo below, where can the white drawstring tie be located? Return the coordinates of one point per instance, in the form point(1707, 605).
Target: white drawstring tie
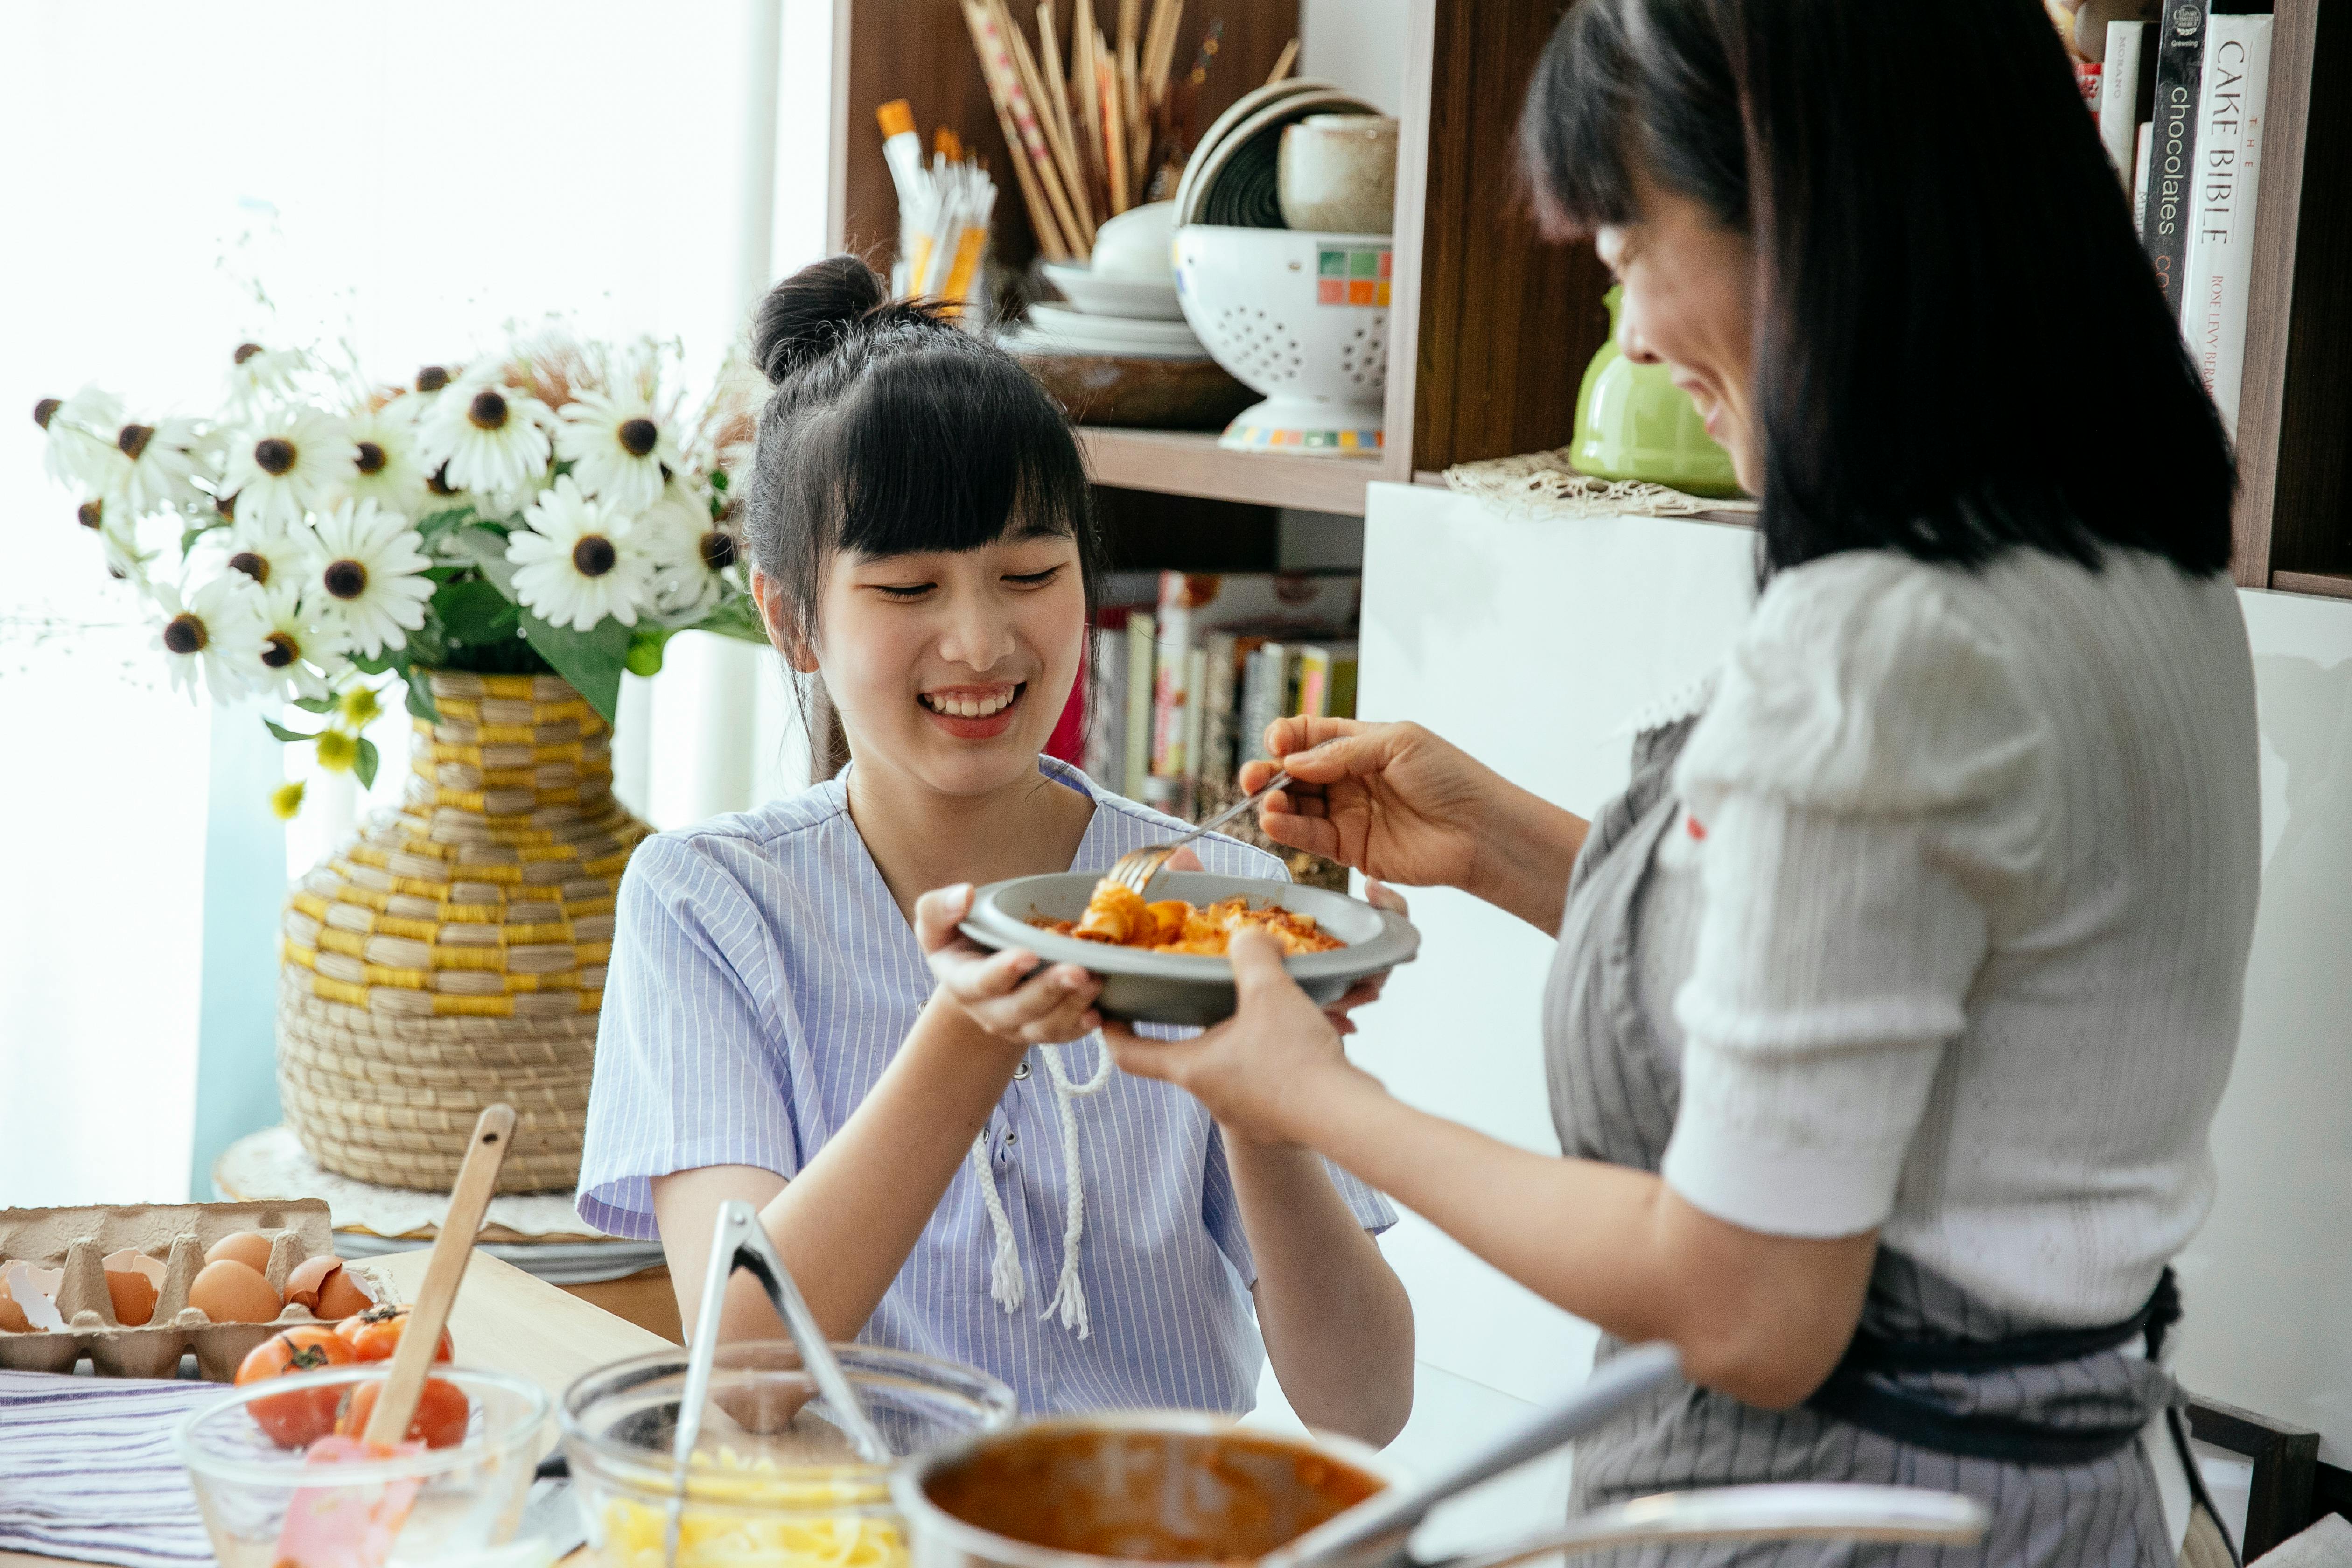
point(1004, 1276)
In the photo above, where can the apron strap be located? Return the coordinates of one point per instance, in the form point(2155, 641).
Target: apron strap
point(1854, 1394)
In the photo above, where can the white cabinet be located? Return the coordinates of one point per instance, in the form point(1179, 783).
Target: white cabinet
point(1532, 645)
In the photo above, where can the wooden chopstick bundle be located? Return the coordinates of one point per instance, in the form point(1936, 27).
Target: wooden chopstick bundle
point(1090, 131)
point(1058, 232)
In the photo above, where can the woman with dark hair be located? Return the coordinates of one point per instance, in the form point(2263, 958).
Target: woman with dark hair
point(792, 1021)
point(1894, 999)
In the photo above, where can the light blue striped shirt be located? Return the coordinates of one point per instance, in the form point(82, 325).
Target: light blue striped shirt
point(762, 978)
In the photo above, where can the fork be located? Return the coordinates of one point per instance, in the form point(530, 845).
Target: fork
point(1136, 869)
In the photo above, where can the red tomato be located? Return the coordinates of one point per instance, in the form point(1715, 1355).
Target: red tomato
point(440, 1418)
point(375, 1334)
point(293, 1420)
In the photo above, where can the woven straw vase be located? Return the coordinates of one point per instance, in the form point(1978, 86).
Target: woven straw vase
point(453, 953)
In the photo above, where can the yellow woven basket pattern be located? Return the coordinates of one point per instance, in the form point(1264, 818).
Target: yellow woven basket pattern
point(453, 952)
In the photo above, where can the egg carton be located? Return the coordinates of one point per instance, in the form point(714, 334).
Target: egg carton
point(77, 1240)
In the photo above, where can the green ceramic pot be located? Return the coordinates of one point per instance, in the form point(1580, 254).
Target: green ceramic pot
point(1633, 423)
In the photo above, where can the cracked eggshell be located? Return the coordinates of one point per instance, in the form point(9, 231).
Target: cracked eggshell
point(35, 1291)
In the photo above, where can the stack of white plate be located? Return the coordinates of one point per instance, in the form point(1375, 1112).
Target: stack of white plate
point(1122, 305)
point(1059, 329)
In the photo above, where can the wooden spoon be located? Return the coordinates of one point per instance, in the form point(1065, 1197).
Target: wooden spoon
point(331, 1526)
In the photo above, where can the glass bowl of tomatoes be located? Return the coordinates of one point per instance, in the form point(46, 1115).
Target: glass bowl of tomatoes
point(462, 1475)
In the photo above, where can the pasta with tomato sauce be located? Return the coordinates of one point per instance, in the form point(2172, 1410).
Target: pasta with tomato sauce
point(1117, 916)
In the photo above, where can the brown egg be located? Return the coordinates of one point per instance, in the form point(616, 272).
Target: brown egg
point(134, 1296)
point(230, 1292)
point(340, 1296)
point(302, 1284)
point(12, 1316)
point(250, 1247)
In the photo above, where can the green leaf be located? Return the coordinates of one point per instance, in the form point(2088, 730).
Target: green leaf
point(591, 660)
point(283, 733)
point(487, 548)
point(366, 765)
point(735, 616)
point(315, 704)
point(381, 662)
point(447, 518)
point(717, 479)
point(475, 612)
point(420, 698)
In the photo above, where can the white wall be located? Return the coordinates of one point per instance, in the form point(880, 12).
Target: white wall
point(1358, 43)
point(2269, 1280)
point(1534, 643)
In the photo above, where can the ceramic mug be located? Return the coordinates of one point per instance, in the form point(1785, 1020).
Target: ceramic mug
point(1336, 174)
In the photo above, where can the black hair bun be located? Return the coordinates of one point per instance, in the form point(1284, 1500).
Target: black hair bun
point(808, 314)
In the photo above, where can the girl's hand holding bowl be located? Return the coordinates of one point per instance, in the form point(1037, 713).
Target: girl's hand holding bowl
point(1005, 993)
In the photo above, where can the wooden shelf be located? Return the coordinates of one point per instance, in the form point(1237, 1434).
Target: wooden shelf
point(2326, 584)
point(1191, 463)
point(2293, 520)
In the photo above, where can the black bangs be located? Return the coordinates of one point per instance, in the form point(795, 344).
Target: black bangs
point(938, 450)
point(1575, 125)
point(897, 432)
point(1605, 103)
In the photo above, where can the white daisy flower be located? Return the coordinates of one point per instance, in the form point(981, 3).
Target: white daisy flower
point(417, 398)
point(212, 639)
point(691, 553)
point(385, 468)
point(118, 534)
point(301, 652)
point(294, 464)
point(80, 452)
point(161, 466)
point(271, 557)
point(618, 447)
point(366, 567)
point(260, 378)
point(580, 560)
point(492, 437)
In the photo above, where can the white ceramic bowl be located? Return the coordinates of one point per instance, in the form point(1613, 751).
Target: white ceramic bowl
point(1134, 244)
point(1179, 987)
point(1136, 299)
point(1300, 317)
point(1241, 109)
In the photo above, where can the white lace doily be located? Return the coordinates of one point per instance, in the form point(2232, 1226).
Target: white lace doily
point(1543, 484)
point(1684, 702)
point(274, 1164)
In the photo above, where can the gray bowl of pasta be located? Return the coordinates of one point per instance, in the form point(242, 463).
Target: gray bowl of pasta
point(1142, 986)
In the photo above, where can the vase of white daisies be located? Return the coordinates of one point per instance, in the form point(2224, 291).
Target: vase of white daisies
point(551, 508)
point(503, 538)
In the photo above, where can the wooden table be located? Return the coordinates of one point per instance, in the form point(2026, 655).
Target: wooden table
point(506, 1321)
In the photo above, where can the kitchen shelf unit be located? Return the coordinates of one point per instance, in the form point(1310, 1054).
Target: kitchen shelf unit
point(2293, 524)
point(1490, 326)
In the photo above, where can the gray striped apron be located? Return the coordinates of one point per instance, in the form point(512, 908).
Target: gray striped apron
point(1973, 1419)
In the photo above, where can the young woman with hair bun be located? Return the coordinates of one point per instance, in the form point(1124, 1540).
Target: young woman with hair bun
point(934, 1136)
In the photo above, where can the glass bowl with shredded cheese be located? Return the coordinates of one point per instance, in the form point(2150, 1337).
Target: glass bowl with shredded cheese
point(773, 1482)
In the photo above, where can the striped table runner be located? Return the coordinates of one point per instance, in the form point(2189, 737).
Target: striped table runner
point(87, 1469)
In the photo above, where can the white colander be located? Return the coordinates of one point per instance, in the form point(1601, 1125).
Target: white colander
point(1300, 317)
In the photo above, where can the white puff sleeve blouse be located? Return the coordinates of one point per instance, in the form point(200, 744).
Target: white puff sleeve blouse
point(1977, 853)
